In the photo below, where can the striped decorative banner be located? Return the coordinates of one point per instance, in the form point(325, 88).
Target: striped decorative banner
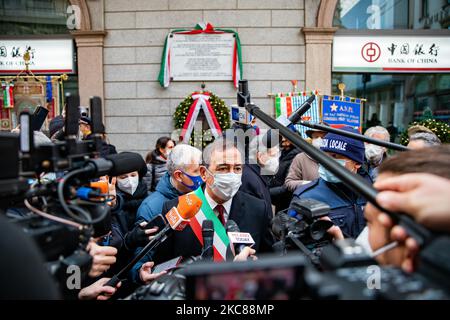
point(286, 103)
point(220, 241)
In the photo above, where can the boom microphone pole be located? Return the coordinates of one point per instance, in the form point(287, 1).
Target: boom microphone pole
point(418, 232)
point(361, 137)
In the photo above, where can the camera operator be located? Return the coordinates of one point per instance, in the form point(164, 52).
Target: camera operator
point(416, 183)
point(346, 206)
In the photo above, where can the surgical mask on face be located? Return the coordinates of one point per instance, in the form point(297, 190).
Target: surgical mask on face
point(129, 184)
point(196, 181)
point(225, 185)
point(374, 154)
point(328, 175)
point(271, 166)
point(317, 142)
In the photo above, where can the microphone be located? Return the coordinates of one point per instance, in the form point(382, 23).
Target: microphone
point(178, 218)
point(72, 116)
point(238, 240)
point(114, 165)
point(97, 127)
point(208, 240)
point(296, 116)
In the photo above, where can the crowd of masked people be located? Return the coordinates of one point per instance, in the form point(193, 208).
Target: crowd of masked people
point(250, 185)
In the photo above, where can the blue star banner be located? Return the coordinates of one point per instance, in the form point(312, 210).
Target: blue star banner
point(340, 111)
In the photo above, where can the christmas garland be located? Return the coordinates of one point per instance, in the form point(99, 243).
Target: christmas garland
point(439, 128)
point(185, 110)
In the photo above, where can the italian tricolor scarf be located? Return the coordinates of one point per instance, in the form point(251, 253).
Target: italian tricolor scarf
point(221, 241)
point(164, 73)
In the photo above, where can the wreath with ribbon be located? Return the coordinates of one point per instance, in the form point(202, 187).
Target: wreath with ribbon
point(216, 113)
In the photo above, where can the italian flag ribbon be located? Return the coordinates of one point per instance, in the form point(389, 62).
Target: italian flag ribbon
point(8, 95)
point(220, 241)
point(201, 101)
point(204, 27)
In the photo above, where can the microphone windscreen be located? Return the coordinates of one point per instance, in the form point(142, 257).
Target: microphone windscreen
point(125, 162)
point(207, 226)
point(72, 115)
point(188, 205)
point(96, 115)
point(231, 226)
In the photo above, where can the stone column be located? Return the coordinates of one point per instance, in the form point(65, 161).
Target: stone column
point(90, 64)
point(318, 42)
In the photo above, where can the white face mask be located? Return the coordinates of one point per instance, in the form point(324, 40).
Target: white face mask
point(317, 142)
point(374, 154)
point(225, 185)
point(129, 184)
point(271, 166)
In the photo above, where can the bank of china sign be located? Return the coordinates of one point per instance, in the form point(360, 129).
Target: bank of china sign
point(391, 54)
point(47, 56)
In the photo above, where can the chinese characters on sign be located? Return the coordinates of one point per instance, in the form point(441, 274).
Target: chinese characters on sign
point(46, 55)
point(391, 54)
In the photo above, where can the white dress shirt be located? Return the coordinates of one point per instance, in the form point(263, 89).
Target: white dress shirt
point(213, 204)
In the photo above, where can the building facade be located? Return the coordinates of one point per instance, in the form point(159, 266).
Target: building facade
point(119, 46)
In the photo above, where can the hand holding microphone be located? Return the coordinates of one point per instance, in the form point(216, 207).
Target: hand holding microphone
point(240, 242)
point(177, 219)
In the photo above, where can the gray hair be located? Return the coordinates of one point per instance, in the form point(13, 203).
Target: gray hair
point(430, 139)
point(181, 156)
point(378, 129)
point(221, 145)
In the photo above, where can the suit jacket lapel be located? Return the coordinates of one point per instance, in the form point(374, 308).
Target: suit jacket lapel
point(237, 208)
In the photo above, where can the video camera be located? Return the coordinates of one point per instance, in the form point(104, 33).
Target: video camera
point(301, 227)
point(63, 212)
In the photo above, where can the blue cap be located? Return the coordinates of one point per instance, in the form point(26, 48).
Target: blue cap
point(348, 147)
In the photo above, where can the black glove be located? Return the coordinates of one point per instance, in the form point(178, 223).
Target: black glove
point(136, 238)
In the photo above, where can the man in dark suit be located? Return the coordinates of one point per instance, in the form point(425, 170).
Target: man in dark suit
point(222, 173)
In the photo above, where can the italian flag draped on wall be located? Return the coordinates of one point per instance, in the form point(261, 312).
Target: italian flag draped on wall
point(164, 73)
point(201, 101)
point(221, 241)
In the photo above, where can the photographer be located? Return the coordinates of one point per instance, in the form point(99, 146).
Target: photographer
point(416, 183)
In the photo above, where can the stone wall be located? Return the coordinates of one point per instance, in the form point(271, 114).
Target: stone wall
point(138, 110)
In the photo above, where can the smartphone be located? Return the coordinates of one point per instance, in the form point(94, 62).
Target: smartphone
point(38, 118)
point(158, 221)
